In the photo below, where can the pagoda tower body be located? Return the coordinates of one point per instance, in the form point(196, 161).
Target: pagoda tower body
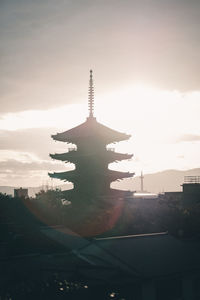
point(91, 177)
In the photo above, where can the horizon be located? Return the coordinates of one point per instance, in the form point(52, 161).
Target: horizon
point(153, 183)
point(145, 59)
point(60, 183)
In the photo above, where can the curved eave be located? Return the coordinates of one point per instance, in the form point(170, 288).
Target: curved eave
point(66, 176)
point(114, 156)
point(91, 129)
point(76, 139)
point(115, 175)
point(67, 157)
point(74, 156)
point(72, 176)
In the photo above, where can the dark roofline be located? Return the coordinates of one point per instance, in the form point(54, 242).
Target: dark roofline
point(133, 236)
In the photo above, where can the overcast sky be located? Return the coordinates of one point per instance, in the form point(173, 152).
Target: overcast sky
point(148, 50)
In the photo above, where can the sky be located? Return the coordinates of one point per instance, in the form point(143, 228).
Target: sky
point(145, 55)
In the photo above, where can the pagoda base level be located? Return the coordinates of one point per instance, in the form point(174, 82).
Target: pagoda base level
point(111, 194)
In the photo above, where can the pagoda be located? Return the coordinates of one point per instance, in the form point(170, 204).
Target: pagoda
point(91, 177)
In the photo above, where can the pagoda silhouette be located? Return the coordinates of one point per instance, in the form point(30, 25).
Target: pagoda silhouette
point(91, 177)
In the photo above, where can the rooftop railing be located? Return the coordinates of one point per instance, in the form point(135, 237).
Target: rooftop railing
point(192, 179)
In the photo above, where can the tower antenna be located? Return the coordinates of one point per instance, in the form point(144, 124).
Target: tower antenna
point(91, 96)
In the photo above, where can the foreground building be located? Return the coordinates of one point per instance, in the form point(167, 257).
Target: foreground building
point(91, 177)
point(141, 267)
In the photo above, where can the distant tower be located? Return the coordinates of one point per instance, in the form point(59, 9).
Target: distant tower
point(142, 182)
point(91, 177)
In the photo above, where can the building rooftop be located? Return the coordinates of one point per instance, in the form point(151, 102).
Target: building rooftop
point(91, 128)
point(191, 179)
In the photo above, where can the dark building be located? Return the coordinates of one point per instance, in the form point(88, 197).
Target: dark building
point(141, 267)
point(91, 177)
point(190, 194)
point(191, 190)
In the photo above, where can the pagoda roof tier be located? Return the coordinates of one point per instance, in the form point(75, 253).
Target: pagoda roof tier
point(90, 129)
point(75, 156)
point(73, 175)
point(117, 175)
point(66, 176)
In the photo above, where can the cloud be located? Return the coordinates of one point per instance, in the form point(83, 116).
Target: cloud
point(189, 138)
point(34, 140)
point(47, 48)
point(15, 172)
point(24, 157)
point(12, 165)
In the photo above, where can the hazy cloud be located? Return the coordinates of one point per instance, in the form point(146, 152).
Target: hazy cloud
point(189, 138)
point(14, 172)
point(34, 140)
point(47, 48)
point(181, 156)
point(16, 166)
point(25, 156)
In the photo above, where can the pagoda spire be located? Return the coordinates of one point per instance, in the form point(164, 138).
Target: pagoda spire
point(91, 96)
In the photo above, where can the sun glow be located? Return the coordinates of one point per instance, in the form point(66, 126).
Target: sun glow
point(155, 118)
